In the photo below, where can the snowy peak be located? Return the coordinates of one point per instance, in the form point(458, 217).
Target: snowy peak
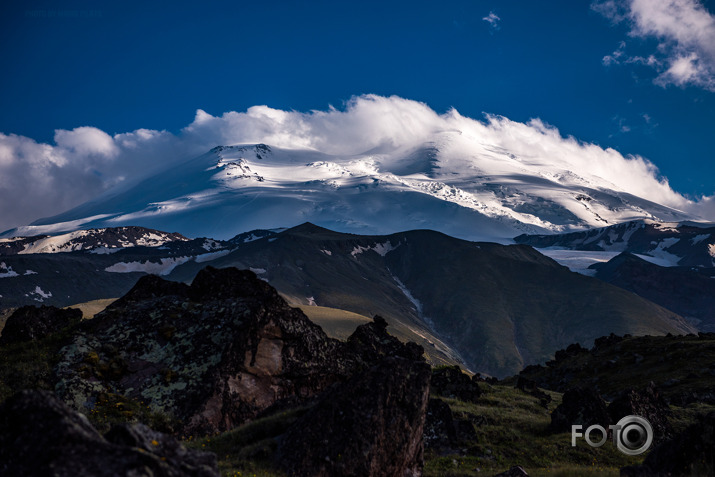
point(451, 182)
point(105, 240)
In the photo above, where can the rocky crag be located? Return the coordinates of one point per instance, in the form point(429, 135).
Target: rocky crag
point(213, 354)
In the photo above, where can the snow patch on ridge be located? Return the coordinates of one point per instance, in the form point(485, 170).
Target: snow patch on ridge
point(162, 268)
point(381, 249)
point(41, 294)
point(699, 238)
point(207, 257)
point(8, 271)
point(660, 253)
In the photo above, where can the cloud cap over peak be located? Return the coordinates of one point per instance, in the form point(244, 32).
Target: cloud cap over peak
point(40, 180)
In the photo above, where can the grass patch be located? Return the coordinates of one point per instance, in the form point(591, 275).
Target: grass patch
point(91, 308)
point(249, 449)
point(512, 429)
point(339, 324)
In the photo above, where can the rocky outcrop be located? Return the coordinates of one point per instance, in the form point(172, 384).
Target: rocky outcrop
point(440, 432)
point(691, 452)
point(579, 406)
point(32, 323)
point(515, 471)
point(372, 425)
point(213, 354)
point(647, 403)
point(529, 387)
point(451, 382)
point(446, 434)
point(370, 343)
point(39, 435)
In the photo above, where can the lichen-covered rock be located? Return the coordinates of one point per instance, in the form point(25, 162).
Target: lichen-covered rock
point(580, 406)
point(32, 323)
point(451, 382)
point(692, 452)
point(213, 354)
point(371, 425)
point(443, 432)
point(647, 403)
point(39, 435)
point(440, 432)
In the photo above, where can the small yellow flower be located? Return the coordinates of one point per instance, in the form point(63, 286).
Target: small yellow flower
point(155, 442)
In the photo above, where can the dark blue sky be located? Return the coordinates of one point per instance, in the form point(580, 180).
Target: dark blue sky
point(123, 65)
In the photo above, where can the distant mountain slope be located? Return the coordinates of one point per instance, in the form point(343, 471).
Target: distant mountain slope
point(494, 307)
point(500, 307)
point(452, 183)
point(680, 289)
point(686, 244)
point(91, 264)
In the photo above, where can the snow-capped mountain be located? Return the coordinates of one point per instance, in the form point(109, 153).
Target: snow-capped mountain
point(685, 244)
point(105, 240)
point(452, 183)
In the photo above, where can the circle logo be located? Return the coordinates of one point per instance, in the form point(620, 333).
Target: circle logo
point(633, 435)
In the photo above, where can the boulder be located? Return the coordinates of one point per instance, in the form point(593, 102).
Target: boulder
point(571, 351)
point(32, 323)
point(582, 406)
point(692, 452)
point(529, 387)
point(451, 382)
point(515, 471)
point(371, 425)
point(39, 435)
point(440, 432)
point(647, 403)
point(371, 342)
point(605, 341)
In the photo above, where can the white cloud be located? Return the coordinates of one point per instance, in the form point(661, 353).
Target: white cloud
point(685, 31)
point(86, 141)
point(493, 20)
point(40, 180)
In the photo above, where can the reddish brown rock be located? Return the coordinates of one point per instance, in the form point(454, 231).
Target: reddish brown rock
point(372, 425)
point(214, 354)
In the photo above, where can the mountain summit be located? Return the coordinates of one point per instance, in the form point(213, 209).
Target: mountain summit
point(452, 183)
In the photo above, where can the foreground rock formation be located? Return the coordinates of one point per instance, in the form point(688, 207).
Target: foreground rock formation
point(580, 406)
point(211, 355)
point(39, 435)
point(692, 452)
point(371, 425)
